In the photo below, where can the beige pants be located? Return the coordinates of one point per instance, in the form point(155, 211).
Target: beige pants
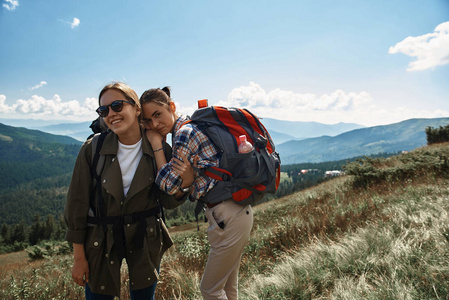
point(220, 278)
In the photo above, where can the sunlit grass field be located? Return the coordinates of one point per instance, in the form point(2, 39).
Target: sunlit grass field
point(381, 232)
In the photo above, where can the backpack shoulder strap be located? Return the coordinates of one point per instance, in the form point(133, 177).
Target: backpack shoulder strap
point(96, 168)
point(97, 159)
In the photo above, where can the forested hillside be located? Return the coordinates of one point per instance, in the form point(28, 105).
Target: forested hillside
point(35, 168)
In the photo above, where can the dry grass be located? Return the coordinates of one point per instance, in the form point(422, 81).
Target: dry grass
point(401, 258)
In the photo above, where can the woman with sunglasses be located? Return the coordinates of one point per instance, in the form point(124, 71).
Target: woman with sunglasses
point(122, 219)
point(230, 224)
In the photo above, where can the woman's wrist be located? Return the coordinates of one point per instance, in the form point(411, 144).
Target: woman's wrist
point(186, 189)
point(78, 252)
point(157, 145)
point(187, 183)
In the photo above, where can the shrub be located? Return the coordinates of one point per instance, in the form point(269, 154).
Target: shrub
point(48, 249)
point(437, 135)
point(35, 252)
point(369, 171)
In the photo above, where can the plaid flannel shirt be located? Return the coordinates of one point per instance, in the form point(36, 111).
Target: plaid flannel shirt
point(190, 141)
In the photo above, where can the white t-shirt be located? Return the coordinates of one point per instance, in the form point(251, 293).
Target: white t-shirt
point(129, 157)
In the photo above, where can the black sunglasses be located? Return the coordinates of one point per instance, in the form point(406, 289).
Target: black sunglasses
point(116, 106)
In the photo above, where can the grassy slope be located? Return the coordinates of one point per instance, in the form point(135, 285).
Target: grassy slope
point(382, 240)
point(386, 240)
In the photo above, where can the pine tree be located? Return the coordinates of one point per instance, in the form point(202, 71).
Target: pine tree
point(5, 234)
point(19, 232)
point(49, 227)
point(36, 230)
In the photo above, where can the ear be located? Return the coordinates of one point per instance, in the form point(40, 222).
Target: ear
point(138, 111)
point(173, 107)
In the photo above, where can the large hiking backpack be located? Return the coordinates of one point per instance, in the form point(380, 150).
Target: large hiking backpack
point(244, 177)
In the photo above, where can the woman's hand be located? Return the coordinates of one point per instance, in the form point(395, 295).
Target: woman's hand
point(155, 138)
point(185, 170)
point(80, 270)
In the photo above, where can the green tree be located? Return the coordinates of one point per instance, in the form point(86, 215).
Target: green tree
point(437, 135)
point(49, 227)
point(19, 232)
point(60, 229)
point(4, 232)
point(36, 230)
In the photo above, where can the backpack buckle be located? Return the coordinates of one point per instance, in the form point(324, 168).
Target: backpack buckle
point(226, 177)
point(261, 142)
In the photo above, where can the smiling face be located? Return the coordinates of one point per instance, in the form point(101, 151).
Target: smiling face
point(160, 118)
point(124, 123)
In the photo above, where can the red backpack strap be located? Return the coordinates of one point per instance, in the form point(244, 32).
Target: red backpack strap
point(218, 173)
point(188, 121)
point(225, 116)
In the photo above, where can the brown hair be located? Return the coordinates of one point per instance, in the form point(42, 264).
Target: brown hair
point(158, 96)
point(123, 88)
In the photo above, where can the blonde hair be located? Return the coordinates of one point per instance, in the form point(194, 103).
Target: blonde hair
point(123, 88)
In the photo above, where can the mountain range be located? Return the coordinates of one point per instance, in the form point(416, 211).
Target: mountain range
point(403, 136)
point(280, 131)
point(299, 142)
point(283, 131)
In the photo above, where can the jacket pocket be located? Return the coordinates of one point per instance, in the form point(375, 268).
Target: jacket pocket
point(95, 239)
point(154, 238)
point(94, 247)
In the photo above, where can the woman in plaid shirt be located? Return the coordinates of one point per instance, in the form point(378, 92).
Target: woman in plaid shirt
point(229, 223)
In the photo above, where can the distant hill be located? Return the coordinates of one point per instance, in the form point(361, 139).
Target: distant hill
point(20, 134)
point(282, 131)
point(279, 138)
point(77, 130)
point(28, 123)
point(35, 168)
point(80, 131)
point(403, 136)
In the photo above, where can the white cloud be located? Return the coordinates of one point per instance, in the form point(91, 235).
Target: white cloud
point(11, 4)
point(338, 106)
point(254, 97)
point(330, 108)
point(41, 84)
point(4, 108)
point(50, 109)
point(75, 23)
point(91, 103)
point(429, 50)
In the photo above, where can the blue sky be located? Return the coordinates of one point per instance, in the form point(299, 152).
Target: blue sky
point(367, 62)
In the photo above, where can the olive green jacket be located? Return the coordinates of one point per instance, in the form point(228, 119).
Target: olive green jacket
point(98, 240)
